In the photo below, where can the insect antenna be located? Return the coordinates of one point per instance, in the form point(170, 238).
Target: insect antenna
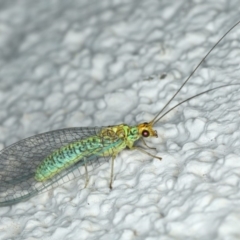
point(197, 95)
point(157, 118)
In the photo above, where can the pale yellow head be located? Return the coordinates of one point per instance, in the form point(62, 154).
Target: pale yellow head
point(146, 130)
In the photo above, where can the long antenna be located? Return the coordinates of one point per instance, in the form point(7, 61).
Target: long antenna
point(188, 99)
point(155, 118)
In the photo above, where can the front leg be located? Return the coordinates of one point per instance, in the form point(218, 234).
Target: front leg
point(143, 151)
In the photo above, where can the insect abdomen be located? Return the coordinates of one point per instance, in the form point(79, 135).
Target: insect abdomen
point(106, 143)
point(65, 157)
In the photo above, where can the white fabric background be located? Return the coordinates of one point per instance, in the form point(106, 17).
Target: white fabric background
point(95, 63)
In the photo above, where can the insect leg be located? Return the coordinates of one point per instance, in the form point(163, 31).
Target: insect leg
point(112, 169)
point(86, 172)
point(143, 151)
point(147, 145)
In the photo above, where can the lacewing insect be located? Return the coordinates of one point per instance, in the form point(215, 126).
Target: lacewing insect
point(40, 162)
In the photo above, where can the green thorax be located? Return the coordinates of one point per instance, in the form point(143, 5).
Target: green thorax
point(128, 134)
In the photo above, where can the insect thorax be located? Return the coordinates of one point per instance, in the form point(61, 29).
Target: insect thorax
point(121, 131)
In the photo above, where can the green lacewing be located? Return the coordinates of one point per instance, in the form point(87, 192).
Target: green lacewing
point(41, 162)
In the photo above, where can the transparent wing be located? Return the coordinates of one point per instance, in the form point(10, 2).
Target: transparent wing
point(19, 161)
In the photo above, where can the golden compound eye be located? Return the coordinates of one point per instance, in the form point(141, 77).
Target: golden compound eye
point(145, 133)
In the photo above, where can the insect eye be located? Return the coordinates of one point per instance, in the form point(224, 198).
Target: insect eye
point(145, 133)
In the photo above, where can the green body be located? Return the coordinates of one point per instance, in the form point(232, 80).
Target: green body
point(108, 142)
